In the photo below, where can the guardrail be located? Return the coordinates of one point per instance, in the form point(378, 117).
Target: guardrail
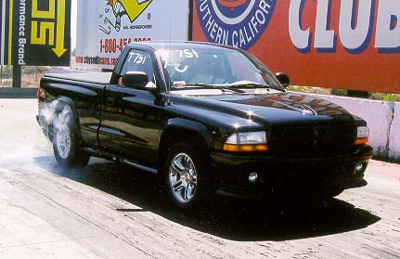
point(12, 92)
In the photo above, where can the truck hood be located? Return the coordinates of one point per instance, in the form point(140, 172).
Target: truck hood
point(262, 109)
point(304, 104)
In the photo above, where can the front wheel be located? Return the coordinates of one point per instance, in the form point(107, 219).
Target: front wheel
point(186, 176)
point(66, 145)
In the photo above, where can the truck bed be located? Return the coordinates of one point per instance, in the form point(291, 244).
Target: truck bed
point(91, 77)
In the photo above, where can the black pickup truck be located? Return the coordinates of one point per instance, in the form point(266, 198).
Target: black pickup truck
point(205, 119)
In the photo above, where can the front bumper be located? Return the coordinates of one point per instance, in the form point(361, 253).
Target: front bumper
point(282, 176)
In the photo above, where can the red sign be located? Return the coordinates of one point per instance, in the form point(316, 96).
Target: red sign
point(344, 44)
point(231, 4)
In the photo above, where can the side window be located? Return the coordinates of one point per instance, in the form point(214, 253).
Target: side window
point(139, 61)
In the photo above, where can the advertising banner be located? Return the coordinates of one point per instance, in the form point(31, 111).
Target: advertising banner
point(35, 32)
point(345, 44)
point(105, 27)
point(2, 29)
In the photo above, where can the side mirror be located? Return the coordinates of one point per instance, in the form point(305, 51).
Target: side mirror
point(135, 79)
point(283, 79)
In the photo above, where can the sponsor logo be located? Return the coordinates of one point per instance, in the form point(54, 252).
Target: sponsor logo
point(239, 23)
point(359, 22)
point(119, 8)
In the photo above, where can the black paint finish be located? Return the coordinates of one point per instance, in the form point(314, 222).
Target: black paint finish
point(311, 141)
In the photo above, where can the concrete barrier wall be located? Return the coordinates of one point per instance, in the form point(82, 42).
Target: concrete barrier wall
point(394, 137)
point(11, 92)
point(383, 120)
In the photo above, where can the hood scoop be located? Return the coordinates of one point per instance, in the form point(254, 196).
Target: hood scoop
point(302, 108)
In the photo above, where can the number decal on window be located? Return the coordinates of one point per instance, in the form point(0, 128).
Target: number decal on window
point(136, 58)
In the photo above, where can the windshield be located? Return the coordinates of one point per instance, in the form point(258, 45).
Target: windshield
point(201, 66)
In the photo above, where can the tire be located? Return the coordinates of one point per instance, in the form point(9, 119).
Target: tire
point(66, 143)
point(186, 176)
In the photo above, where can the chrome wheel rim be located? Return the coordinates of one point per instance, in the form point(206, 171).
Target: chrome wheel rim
point(183, 178)
point(63, 140)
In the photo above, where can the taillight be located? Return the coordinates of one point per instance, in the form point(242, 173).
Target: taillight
point(40, 94)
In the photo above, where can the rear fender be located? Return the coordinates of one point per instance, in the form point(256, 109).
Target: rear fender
point(62, 101)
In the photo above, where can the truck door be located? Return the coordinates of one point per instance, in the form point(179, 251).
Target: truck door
point(88, 105)
point(131, 119)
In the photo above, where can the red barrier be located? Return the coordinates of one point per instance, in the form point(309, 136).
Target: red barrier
point(338, 44)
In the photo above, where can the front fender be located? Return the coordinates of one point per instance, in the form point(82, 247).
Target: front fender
point(184, 130)
point(196, 127)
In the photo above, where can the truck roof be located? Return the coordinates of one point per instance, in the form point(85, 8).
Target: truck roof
point(182, 44)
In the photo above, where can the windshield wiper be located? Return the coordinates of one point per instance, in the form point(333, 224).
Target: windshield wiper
point(207, 86)
point(227, 89)
point(195, 85)
point(249, 85)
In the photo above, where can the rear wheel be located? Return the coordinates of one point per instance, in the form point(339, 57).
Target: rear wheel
point(66, 144)
point(185, 175)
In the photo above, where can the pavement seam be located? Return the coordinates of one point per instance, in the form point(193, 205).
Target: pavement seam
point(36, 243)
point(94, 224)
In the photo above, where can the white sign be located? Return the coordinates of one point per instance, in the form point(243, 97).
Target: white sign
point(105, 27)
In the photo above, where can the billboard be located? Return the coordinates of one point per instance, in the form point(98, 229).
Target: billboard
point(35, 32)
point(105, 27)
point(345, 44)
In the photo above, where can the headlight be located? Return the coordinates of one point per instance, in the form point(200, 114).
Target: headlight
point(362, 135)
point(246, 142)
point(362, 132)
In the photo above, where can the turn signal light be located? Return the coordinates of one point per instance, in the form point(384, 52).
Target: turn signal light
point(245, 148)
point(361, 141)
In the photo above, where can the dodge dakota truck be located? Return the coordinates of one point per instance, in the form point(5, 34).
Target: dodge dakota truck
point(206, 119)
